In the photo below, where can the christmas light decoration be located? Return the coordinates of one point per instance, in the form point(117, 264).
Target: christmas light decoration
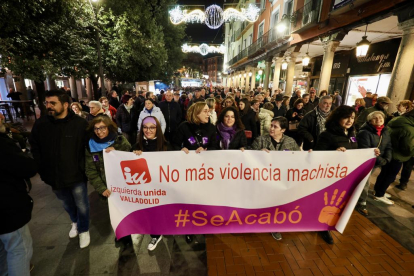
point(177, 16)
point(214, 16)
point(203, 49)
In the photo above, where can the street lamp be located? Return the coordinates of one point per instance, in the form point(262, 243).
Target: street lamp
point(363, 45)
point(250, 74)
point(306, 58)
point(284, 65)
point(244, 75)
point(98, 49)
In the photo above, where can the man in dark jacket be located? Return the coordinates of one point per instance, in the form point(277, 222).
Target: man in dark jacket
point(295, 96)
point(127, 120)
point(313, 123)
point(172, 114)
point(15, 207)
point(382, 105)
point(279, 109)
point(15, 96)
point(113, 99)
point(58, 146)
point(313, 100)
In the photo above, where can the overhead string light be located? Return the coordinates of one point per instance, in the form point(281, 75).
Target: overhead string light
point(214, 16)
point(203, 49)
point(178, 16)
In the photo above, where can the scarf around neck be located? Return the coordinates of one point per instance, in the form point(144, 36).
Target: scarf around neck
point(98, 145)
point(379, 129)
point(227, 134)
point(321, 118)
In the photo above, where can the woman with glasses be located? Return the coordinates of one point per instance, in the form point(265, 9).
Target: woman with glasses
point(276, 140)
point(103, 137)
point(150, 138)
point(196, 133)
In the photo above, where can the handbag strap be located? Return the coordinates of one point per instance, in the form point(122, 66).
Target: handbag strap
point(379, 141)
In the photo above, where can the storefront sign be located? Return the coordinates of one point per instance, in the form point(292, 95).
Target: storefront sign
point(174, 193)
point(379, 59)
point(340, 63)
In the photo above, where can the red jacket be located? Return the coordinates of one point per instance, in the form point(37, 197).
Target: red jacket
point(113, 112)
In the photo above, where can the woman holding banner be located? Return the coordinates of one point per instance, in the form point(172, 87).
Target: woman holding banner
point(276, 140)
point(196, 134)
point(230, 130)
point(339, 135)
point(373, 134)
point(103, 137)
point(150, 138)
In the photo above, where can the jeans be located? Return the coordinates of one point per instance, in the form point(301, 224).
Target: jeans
point(364, 195)
point(386, 177)
point(16, 251)
point(76, 203)
point(406, 171)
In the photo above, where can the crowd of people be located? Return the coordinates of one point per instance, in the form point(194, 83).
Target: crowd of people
point(67, 144)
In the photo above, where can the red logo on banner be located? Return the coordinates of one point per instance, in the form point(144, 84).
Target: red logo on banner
point(136, 172)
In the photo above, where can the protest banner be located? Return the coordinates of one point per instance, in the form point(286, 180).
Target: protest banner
point(173, 193)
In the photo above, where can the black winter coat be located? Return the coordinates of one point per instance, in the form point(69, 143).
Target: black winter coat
point(367, 137)
point(280, 111)
point(58, 146)
point(172, 114)
point(192, 136)
point(249, 122)
point(334, 138)
point(15, 203)
point(239, 140)
point(127, 121)
point(308, 129)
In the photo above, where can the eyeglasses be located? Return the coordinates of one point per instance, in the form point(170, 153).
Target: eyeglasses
point(51, 103)
point(149, 128)
point(98, 129)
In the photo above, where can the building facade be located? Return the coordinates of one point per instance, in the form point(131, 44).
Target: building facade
point(328, 32)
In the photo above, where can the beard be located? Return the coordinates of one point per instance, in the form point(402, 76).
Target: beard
point(54, 113)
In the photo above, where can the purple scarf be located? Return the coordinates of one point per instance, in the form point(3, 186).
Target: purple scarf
point(226, 133)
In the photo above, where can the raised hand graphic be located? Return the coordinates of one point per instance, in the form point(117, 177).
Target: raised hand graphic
point(330, 213)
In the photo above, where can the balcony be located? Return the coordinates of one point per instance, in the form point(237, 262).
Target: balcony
point(273, 38)
point(306, 16)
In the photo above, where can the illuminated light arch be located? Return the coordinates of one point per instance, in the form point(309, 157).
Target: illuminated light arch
point(214, 16)
point(203, 49)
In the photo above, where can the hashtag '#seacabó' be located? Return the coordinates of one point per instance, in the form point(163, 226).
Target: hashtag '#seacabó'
point(181, 218)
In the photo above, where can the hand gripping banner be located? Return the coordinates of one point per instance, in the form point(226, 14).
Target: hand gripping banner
point(173, 193)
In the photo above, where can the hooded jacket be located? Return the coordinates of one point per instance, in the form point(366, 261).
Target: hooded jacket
point(367, 137)
point(265, 117)
point(58, 146)
point(402, 136)
point(155, 112)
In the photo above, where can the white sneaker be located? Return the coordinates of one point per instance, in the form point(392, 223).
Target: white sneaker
point(153, 243)
point(74, 231)
point(384, 200)
point(387, 195)
point(84, 239)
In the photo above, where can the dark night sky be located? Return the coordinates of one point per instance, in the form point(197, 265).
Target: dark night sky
point(200, 32)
